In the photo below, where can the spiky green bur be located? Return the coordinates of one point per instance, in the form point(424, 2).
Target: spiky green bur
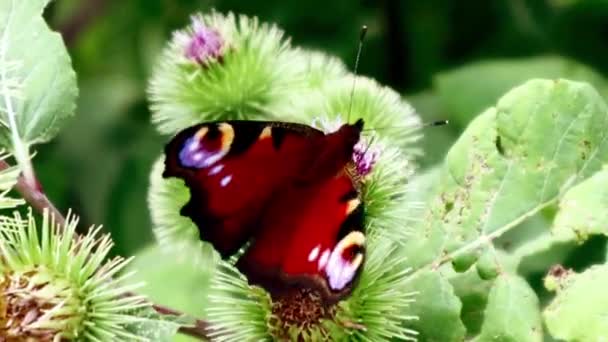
point(320, 69)
point(382, 109)
point(253, 69)
point(237, 311)
point(376, 310)
point(55, 285)
point(8, 179)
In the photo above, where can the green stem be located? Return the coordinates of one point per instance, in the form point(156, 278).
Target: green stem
point(20, 148)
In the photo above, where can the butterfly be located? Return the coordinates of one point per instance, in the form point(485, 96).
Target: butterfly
point(289, 193)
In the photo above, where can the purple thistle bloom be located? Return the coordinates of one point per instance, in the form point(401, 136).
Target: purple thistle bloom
point(365, 157)
point(204, 44)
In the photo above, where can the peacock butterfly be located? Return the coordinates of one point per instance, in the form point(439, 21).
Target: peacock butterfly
point(288, 192)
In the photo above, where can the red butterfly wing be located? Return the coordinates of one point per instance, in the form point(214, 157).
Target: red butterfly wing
point(311, 235)
point(284, 185)
point(232, 169)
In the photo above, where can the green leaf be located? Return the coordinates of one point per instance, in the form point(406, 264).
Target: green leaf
point(579, 312)
point(37, 76)
point(583, 210)
point(171, 281)
point(473, 293)
point(512, 313)
point(435, 302)
point(511, 162)
point(471, 89)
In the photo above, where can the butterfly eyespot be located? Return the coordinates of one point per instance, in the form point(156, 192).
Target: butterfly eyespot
point(352, 205)
point(354, 238)
point(200, 134)
point(207, 146)
point(345, 260)
point(266, 133)
point(356, 262)
point(227, 136)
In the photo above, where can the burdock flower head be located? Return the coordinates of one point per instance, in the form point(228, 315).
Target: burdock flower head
point(201, 43)
point(55, 285)
point(365, 156)
point(220, 67)
point(365, 152)
point(385, 113)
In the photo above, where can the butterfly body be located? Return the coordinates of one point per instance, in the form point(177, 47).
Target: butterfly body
point(288, 190)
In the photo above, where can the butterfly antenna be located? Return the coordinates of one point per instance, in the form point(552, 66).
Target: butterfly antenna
point(436, 123)
point(352, 92)
point(417, 127)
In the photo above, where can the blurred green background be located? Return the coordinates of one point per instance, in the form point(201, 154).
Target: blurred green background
point(449, 58)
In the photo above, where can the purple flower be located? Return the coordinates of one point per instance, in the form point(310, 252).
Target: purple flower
point(204, 43)
point(364, 154)
point(365, 157)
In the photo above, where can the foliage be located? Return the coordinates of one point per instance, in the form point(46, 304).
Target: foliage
point(33, 108)
point(523, 155)
point(54, 283)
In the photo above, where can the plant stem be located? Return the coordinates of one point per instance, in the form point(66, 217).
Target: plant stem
point(37, 199)
point(35, 196)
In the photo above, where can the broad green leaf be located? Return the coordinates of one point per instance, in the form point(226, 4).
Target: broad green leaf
point(532, 247)
point(511, 162)
point(473, 293)
point(579, 312)
point(584, 210)
point(527, 238)
point(36, 74)
point(512, 313)
point(471, 89)
point(172, 281)
point(435, 302)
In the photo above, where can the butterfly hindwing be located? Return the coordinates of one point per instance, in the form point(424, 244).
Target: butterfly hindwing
point(310, 235)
